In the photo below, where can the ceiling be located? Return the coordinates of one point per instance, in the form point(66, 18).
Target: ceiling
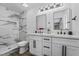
point(19, 8)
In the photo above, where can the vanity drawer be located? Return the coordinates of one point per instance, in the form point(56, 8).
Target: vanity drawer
point(46, 51)
point(47, 44)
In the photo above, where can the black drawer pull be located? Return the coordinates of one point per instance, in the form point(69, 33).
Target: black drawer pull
point(46, 39)
point(64, 50)
point(46, 47)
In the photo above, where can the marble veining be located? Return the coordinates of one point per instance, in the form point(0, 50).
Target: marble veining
point(9, 27)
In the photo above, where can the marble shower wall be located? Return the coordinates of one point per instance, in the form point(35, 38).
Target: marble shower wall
point(9, 27)
point(22, 27)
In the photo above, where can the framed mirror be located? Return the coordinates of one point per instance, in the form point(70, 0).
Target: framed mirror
point(61, 19)
point(41, 22)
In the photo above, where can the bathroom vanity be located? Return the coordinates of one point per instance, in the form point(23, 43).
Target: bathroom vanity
point(53, 45)
point(53, 35)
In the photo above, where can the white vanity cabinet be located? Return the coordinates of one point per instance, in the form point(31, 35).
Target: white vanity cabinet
point(72, 51)
point(72, 47)
point(53, 46)
point(65, 47)
point(40, 45)
point(57, 49)
point(36, 45)
point(47, 46)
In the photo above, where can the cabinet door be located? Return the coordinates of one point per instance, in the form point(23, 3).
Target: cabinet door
point(72, 51)
point(57, 49)
point(39, 47)
point(36, 46)
point(32, 46)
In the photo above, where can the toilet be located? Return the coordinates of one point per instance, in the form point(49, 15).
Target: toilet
point(23, 46)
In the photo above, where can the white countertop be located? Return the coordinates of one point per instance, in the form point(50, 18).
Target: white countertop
point(53, 35)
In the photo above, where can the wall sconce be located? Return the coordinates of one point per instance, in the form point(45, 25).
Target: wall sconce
point(74, 18)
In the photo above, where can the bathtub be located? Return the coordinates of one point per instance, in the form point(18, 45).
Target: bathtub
point(7, 50)
point(7, 45)
point(11, 46)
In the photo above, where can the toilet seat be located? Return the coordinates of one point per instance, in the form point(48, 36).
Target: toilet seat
point(23, 43)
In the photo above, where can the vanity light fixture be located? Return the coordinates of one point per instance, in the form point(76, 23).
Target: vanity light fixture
point(74, 18)
point(51, 6)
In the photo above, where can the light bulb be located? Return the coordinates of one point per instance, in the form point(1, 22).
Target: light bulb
point(25, 5)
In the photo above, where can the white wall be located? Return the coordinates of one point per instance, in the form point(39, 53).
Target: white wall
point(31, 20)
point(75, 12)
point(75, 24)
